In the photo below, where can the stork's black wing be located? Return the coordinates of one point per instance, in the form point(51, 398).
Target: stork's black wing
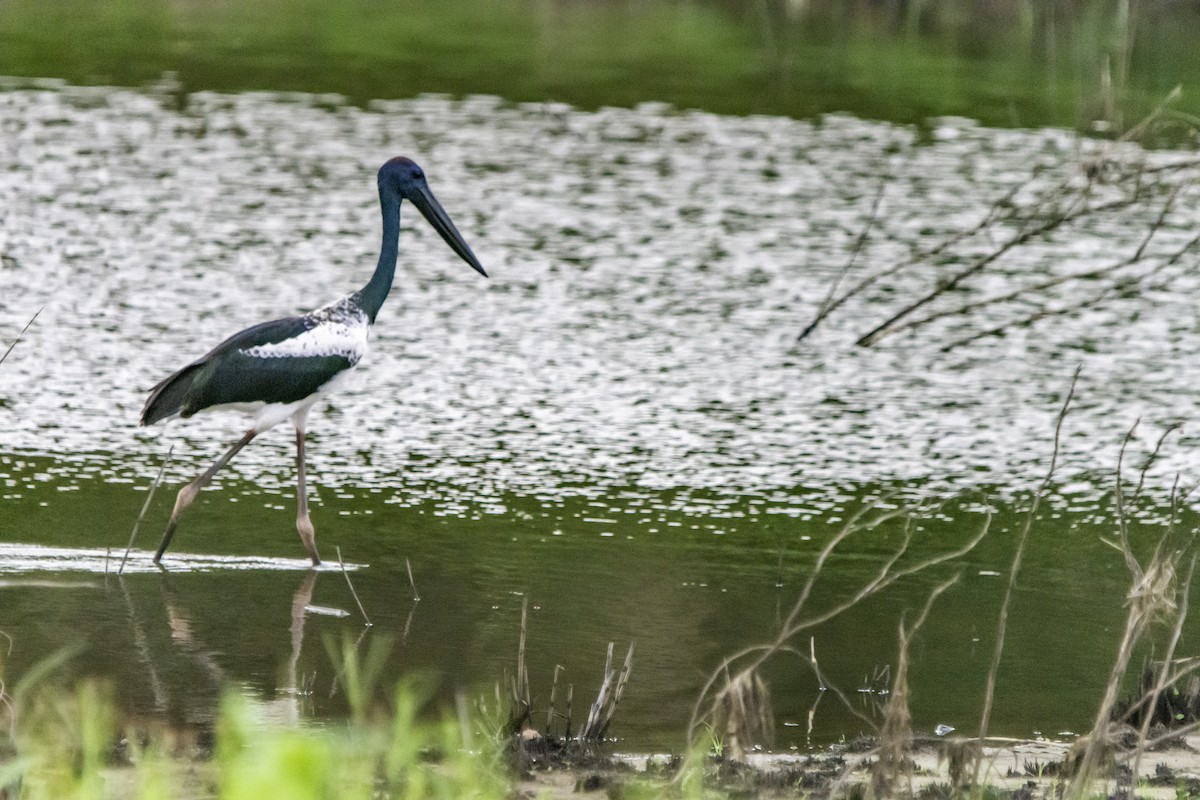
point(231, 374)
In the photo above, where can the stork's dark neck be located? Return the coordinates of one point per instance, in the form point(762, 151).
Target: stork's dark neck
point(376, 290)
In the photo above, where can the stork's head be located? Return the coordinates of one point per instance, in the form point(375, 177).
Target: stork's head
point(403, 178)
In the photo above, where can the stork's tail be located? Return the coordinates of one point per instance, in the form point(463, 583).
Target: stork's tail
point(170, 398)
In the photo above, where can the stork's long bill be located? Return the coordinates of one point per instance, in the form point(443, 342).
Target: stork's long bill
point(432, 210)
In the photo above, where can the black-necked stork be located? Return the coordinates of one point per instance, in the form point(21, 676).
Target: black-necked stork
point(277, 370)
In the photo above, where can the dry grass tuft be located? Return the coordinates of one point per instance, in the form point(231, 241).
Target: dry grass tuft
point(742, 714)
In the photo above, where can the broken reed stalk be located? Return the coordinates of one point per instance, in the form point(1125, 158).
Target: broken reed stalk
point(570, 697)
point(553, 693)
point(754, 656)
point(1015, 571)
point(590, 725)
point(138, 522)
point(622, 679)
point(742, 713)
point(522, 700)
point(22, 333)
point(601, 714)
point(353, 593)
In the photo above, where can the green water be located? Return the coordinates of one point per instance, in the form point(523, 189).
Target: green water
point(618, 427)
point(1011, 64)
point(170, 641)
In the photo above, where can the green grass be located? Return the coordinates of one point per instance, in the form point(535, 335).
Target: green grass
point(69, 743)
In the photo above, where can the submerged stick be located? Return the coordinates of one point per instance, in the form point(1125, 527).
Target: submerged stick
point(411, 582)
point(138, 523)
point(19, 335)
point(353, 593)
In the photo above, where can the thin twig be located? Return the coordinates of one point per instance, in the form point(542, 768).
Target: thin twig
point(149, 496)
point(794, 625)
point(1024, 322)
point(1154, 456)
point(1050, 283)
point(827, 305)
point(353, 593)
point(19, 335)
point(1079, 209)
point(922, 256)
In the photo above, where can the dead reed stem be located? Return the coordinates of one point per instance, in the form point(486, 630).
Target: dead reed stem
point(522, 700)
point(138, 522)
point(558, 668)
point(600, 715)
point(1015, 571)
point(1155, 591)
point(751, 658)
point(895, 733)
point(1164, 679)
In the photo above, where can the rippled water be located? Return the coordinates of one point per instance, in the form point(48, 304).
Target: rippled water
point(618, 425)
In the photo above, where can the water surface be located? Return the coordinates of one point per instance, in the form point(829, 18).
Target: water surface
point(618, 427)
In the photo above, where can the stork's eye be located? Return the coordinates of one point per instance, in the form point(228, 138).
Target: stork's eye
point(417, 175)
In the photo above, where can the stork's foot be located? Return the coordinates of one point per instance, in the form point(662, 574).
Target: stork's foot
point(308, 536)
point(182, 500)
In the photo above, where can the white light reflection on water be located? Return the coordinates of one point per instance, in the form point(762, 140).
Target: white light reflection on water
point(650, 272)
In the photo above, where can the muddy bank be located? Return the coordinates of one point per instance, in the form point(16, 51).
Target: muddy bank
point(1021, 769)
